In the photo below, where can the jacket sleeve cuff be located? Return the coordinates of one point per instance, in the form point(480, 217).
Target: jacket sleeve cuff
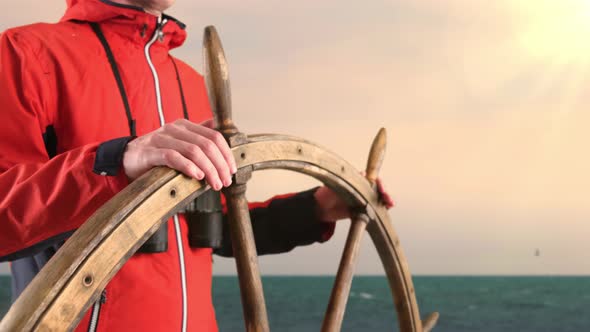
point(108, 162)
point(299, 219)
point(109, 156)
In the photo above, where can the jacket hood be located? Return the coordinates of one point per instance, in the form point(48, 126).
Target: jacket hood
point(105, 10)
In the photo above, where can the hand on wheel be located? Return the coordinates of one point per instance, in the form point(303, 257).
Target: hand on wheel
point(194, 149)
point(330, 207)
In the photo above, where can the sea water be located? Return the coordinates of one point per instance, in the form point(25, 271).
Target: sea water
point(503, 304)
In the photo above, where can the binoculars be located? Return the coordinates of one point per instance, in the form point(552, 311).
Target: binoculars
point(204, 216)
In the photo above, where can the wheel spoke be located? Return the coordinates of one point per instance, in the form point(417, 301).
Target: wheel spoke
point(341, 290)
point(430, 321)
point(244, 250)
point(242, 236)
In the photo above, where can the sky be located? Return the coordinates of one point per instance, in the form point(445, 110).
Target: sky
point(485, 104)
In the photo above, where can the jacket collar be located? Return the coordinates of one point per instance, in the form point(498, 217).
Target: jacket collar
point(134, 21)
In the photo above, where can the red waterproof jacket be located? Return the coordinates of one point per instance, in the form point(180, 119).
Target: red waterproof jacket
point(66, 119)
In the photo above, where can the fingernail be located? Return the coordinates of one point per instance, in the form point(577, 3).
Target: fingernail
point(218, 185)
point(234, 170)
point(227, 183)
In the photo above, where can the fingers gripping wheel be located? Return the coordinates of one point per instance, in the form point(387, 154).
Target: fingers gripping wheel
point(58, 297)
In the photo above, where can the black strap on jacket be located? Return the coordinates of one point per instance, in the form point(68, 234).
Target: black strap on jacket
point(107, 48)
point(180, 89)
point(111, 57)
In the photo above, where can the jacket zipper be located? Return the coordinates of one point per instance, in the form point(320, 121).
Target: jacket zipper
point(96, 311)
point(158, 34)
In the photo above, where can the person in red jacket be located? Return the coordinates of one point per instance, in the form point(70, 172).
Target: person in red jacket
point(88, 105)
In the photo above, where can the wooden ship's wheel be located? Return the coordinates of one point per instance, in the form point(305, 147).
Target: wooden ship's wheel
point(60, 295)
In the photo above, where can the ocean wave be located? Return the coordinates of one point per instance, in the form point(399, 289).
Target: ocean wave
point(366, 296)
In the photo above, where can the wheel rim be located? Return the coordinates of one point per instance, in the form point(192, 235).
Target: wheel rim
point(63, 291)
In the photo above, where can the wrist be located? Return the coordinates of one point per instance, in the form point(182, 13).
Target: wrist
point(109, 156)
point(324, 198)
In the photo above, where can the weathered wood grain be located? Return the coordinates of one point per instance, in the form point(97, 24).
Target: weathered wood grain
point(253, 303)
point(376, 156)
point(50, 290)
point(46, 288)
point(381, 230)
point(217, 80)
point(242, 235)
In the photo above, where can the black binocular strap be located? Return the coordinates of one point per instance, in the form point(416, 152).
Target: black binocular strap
point(107, 48)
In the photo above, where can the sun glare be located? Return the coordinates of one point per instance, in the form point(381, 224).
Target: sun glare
point(556, 29)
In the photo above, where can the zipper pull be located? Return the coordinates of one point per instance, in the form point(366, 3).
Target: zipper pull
point(161, 29)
